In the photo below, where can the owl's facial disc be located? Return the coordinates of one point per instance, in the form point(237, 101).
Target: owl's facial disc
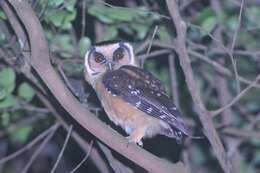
point(109, 56)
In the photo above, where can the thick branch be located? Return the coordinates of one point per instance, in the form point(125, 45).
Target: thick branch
point(204, 116)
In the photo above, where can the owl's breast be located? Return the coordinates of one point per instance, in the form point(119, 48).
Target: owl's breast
point(118, 111)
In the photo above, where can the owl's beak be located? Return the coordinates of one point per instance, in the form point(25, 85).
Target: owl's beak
point(110, 65)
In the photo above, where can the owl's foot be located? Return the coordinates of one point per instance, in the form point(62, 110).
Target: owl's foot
point(137, 135)
point(135, 141)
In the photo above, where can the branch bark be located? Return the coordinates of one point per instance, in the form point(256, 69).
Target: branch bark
point(25, 69)
point(41, 63)
point(203, 114)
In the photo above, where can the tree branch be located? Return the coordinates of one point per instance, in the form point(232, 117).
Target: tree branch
point(204, 116)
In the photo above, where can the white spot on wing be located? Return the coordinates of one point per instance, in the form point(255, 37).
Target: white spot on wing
point(134, 92)
point(163, 107)
point(149, 110)
point(162, 116)
point(138, 104)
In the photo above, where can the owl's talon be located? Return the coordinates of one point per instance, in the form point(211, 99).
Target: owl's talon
point(140, 143)
point(131, 140)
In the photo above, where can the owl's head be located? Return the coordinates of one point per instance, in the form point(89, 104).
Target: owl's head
point(105, 56)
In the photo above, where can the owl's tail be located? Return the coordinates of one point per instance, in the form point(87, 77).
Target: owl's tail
point(179, 134)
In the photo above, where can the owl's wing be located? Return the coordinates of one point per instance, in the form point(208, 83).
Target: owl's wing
point(146, 93)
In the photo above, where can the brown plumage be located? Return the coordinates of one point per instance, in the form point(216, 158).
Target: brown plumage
point(132, 97)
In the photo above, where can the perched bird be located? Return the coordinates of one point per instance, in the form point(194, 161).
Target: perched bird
point(131, 96)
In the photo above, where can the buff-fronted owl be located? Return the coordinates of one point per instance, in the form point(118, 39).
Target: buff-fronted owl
point(131, 96)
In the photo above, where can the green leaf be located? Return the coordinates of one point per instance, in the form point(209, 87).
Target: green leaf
point(252, 14)
point(25, 91)
point(207, 20)
point(197, 155)
point(8, 101)
point(257, 157)
point(110, 33)
point(255, 141)
point(231, 23)
point(84, 45)
point(164, 35)
point(21, 135)
point(5, 119)
point(142, 11)
point(56, 2)
point(2, 38)
point(63, 45)
point(121, 14)
point(141, 30)
point(208, 25)
point(2, 15)
point(100, 12)
point(70, 5)
point(2, 93)
point(205, 14)
point(245, 168)
point(57, 18)
point(110, 15)
point(63, 18)
point(7, 77)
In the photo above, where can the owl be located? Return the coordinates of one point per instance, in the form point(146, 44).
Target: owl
point(131, 96)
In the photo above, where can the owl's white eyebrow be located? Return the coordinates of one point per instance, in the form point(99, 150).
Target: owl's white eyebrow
point(121, 44)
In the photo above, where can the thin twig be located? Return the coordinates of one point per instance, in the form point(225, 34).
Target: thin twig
point(218, 67)
point(240, 133)
point(235, 145)
point(83, 21)
point(40, 148)
point(143, 57)
point(226, 50)
point(239, 96)
point(150, 44)
point(84, 159)
point(174, 83)
point(95, 156)
point(180, 43)
point(221, 69)
point(151, 41)
point(115, 164)
point(234, 43)
point(29, 120)
point(62, 149)
point(29, 145)
point(66, 81)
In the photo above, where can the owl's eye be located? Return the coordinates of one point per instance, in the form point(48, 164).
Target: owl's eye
point(118, 54)
point(99, 58)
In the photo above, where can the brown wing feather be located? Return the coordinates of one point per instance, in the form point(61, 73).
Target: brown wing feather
point(146, 93)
